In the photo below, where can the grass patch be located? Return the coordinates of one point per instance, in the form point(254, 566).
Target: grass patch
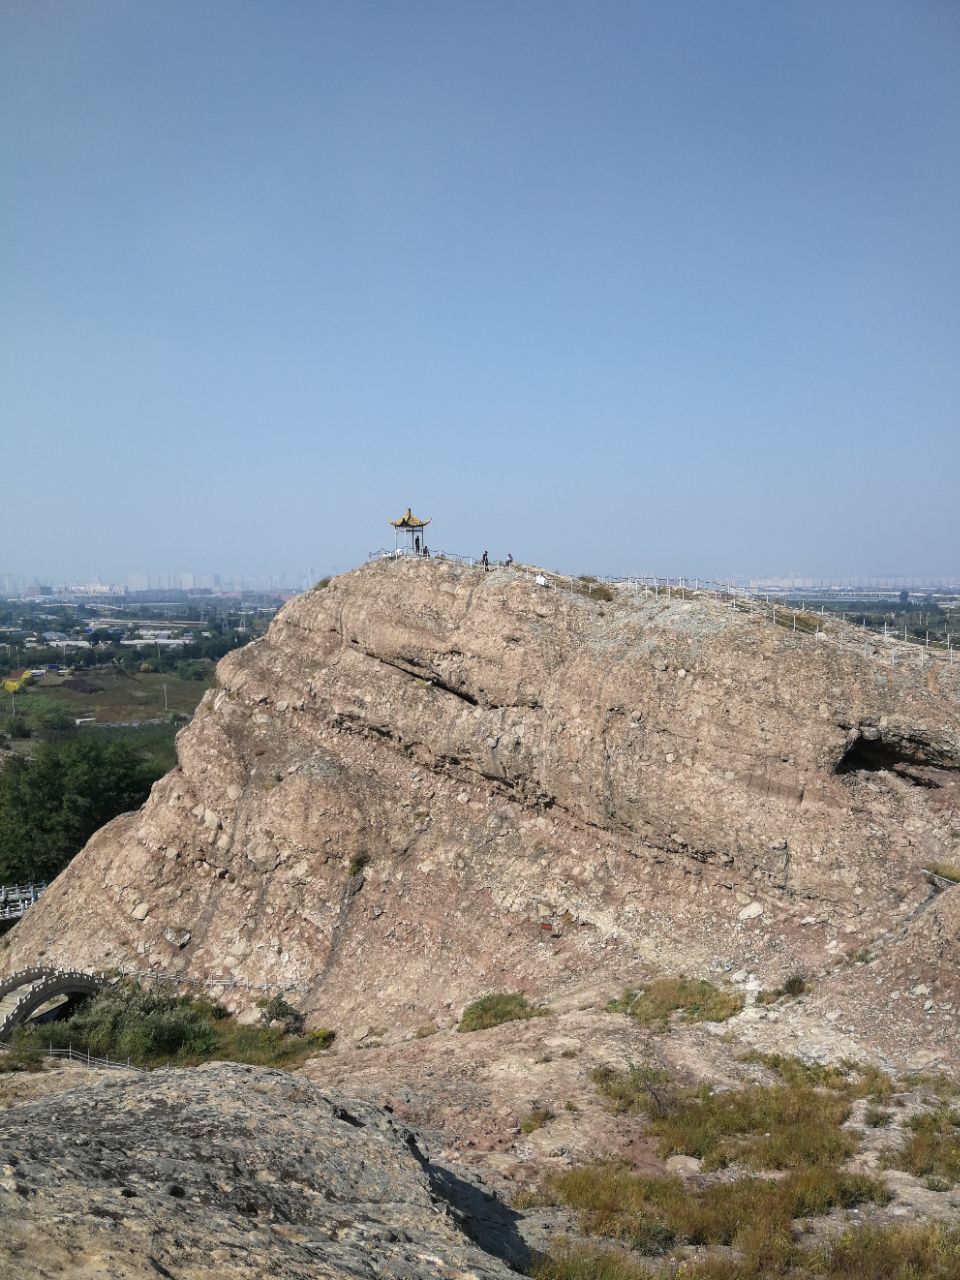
point(805, 622)
point(694, 999)
point(795, 985)
point(425, 1030)
point(948, 870)
point(491, 1010)
point(153, 1028)
point(783, 1126)
point(915, 1252)
point(641, 1088)
point(854, 1080)
point(794, 1123)
point(754, 1215)
point(580, 1262)
point(876, 1117)
point(536, 1119)
point(931, 1148)
point(587, 585)
point(912, 1252)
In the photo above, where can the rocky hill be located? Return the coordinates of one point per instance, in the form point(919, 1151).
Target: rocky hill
point(427, 782)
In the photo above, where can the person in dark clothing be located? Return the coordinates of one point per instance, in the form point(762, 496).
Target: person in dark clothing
point(416, 543)
point(485, 561)
point(509, 560)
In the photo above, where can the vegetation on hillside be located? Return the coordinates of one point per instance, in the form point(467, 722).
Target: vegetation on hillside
point(910, 1252)
point(773, 1154)
point(491, 1010)
point(693, 999)
point(153, 1028)
point(52, 802)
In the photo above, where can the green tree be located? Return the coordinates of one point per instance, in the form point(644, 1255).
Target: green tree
point(52, 804)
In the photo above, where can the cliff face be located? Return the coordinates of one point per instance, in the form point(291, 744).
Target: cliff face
point(426, 782)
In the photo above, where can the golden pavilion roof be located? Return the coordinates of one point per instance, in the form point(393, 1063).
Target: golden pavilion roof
point(409, 521)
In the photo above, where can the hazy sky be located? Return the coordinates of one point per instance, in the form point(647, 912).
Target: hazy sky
point(659, 286)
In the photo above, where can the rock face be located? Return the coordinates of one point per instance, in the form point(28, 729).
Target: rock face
point(225, 1170)
point(427, 782)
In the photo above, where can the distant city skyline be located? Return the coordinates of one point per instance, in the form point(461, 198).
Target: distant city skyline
point(192, 580)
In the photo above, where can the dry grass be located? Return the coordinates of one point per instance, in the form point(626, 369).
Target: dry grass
point(931, 1149)
point(535, 1119)
point(587, 585)
point(747, 1224)
point(795, 985)
point(914, 1252)
point(754, 1215)
point(694, 999)
point(948, 870)
point(792, 1124)
point(581, 1262)
point(852, 1079)
point(491, 1010)
point(759, 1127)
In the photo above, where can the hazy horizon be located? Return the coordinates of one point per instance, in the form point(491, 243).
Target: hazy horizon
point(647, 288)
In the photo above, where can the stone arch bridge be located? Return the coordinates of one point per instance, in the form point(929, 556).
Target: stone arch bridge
point(29, 992)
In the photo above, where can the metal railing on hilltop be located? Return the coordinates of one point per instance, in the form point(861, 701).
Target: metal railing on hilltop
point(805, 624)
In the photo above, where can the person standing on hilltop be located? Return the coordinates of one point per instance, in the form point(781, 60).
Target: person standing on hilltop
point(509, 560)
point(485, 561)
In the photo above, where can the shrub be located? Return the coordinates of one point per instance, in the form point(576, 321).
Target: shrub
point(278, 1009)
point(491, 1010)
point(536, 1119)
point(876, 1117)
point(23, 1055)
point(641, 1087)
point(358, 862)
point(795, 985)
point(425, 1030)
point(694, 999)
point(125, 1022)
point(931, 1148)
point(152, 1028)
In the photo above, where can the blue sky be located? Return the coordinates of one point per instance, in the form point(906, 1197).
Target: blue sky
point(666, 286)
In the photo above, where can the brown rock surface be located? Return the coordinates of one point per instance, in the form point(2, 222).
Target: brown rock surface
point(427, 782)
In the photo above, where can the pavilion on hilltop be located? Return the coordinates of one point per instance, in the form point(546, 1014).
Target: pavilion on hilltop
point(409, 532)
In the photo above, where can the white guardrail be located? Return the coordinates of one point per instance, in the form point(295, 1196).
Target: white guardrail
point(15, 898)
point(805, 624)
point(87, 1059)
